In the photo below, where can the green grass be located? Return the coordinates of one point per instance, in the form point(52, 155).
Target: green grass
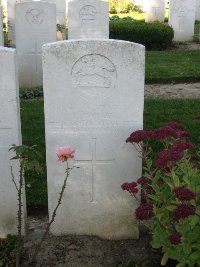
point(156, 113)
point(32, 120)
point(172, 66)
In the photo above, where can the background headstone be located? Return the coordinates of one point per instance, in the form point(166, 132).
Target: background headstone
point(10, 133)
point(60, 16)
point(155, 10)
point(35, 26)
point(1, 27)
point(88, 19)
point(182, 19)
point(94, 93)
point(197, 17)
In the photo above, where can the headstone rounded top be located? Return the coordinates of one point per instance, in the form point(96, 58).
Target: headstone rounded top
point(98, 41)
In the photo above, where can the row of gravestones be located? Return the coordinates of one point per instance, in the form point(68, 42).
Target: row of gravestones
point(93, 99)
point(34, 24)
point(88, 83)
point(182, 15)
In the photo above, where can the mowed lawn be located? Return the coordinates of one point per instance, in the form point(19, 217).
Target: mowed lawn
point(156, 113)
point(172, 66)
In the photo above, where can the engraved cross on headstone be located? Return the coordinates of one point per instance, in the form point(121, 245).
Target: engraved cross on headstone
point(94, 162)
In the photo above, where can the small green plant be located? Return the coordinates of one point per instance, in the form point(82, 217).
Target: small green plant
point(63, 155)
point(7, 251)
point(170, 192)
point(28, 158)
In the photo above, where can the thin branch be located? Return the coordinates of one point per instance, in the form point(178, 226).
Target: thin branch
point(13, 179)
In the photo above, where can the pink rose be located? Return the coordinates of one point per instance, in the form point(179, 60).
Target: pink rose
point(64, 153)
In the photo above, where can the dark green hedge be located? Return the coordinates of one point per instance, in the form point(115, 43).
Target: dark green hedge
point(154, 35)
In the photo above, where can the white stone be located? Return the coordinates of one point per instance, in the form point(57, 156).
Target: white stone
point(35, 26)
point(94, 93)
point(182, 19)
point(155, 11)
point(1, 27)
point(197, 17)
point(10, 133)
point(60, 16)
point(88, 19)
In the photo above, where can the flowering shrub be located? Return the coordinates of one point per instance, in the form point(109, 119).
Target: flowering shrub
point(170, 192)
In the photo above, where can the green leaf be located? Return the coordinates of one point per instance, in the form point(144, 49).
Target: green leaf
point(195, 256)
point(170, 207)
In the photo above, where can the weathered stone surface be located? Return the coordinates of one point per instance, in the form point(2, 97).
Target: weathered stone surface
point(1, 27)
point(88, 19)
point(182, 19)
point(10, 133)
point(155, 10)
point(94, 92)
point(35, 26)
point(60, 17)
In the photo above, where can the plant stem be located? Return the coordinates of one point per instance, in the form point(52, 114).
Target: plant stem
point(53, 214)
point(19, 214)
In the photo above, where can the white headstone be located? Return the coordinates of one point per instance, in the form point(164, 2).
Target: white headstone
point(197, 17)
point(182, 19)
point(155, 10)
point(88, 19)
point(1, 27)
point(60, 16)
point(10, 133)
point(94, 93)
point(35, 26)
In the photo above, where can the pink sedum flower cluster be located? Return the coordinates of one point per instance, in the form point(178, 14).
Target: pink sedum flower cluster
point(183, 193)
point(175, 238)
point(64, 153)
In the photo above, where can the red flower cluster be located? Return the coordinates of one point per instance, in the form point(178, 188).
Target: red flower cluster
point(143, 180)
point(183, 193)
point(139, 136)
point(182, 134)
point(130, 187)
point(166, 156)
point(144, 211)
point(173, 154)
point(164, 132)
point(175, 125)
point(182, 145)
point(183, 211)
point(175, 238)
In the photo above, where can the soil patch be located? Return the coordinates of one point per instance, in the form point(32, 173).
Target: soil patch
point(87, 251)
